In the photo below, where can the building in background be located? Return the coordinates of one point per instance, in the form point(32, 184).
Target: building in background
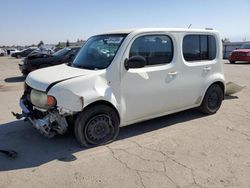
point(228, 47)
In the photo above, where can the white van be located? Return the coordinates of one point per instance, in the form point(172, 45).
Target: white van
point(123, 77)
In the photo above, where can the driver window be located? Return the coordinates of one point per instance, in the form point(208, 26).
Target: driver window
point(156, 49)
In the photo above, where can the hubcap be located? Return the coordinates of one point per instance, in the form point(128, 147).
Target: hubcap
point(99, 129)
point(213, 100)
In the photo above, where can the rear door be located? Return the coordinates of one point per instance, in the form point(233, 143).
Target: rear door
point(199, 59)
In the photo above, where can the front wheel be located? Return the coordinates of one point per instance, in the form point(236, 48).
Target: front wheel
point(212, 100)
point(232, 62)
point(97, 125)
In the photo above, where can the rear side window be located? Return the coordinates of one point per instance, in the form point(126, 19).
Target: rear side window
point(199, 47)
point(156, 49)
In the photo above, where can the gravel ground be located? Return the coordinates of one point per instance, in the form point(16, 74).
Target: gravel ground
point(185, 149)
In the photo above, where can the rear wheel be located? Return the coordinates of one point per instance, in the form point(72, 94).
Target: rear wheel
point(97, 125)
point(232, 62)
point(212, 100)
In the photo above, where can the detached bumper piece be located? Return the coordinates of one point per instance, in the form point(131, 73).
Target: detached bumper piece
point(49, 123)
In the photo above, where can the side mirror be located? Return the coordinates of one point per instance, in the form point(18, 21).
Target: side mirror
point(135, 62)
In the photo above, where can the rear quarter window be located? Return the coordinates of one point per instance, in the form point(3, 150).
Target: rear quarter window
point(199, 47)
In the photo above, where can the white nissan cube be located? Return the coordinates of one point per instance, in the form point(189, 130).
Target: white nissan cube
point(123, 77)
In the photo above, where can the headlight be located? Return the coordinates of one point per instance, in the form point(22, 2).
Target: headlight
point(41, 99)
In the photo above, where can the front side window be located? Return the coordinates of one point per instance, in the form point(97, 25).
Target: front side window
point(199, 47)
point(156, 49)
point(99, 51)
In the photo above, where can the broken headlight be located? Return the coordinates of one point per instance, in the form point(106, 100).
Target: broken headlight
point(41, 99)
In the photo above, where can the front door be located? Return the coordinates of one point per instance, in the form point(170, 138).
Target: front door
point(153, 89)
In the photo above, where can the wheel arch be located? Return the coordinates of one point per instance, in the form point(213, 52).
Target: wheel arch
point(103, 102)
point(220, 83)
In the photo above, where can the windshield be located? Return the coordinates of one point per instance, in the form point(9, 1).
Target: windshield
point(245, 46)
point(62, 52)
point(99, 51)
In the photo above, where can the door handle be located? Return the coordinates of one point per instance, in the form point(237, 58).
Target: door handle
point(172, 73)
point(206, 69)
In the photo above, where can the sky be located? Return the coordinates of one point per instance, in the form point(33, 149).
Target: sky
point(26, 22)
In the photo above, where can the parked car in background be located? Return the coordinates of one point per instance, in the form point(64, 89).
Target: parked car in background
point(12, 50)
point(41, 51)
point(124, 77)
point(37, 60)
point(240, 54)
point(23, 53)
point(57, 49)
point(3, 52)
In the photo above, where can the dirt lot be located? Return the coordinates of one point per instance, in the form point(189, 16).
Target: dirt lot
point(186, 149)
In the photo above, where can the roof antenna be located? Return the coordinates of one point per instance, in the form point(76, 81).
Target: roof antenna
point(189, 26)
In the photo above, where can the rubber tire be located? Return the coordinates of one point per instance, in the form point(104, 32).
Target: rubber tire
point(83, 118)
point(232, 62)
point(18, 56)
point(204, 106)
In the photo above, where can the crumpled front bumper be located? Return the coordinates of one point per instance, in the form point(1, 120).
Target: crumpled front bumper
point(49, 123)
point(25, 110)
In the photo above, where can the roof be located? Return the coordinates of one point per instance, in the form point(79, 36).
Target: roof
point(127, 31)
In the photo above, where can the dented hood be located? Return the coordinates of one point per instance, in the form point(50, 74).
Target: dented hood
point(44, 78)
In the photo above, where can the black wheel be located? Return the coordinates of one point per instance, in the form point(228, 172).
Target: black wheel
point(97, 125)
point(212, 100)
point(18, 56)
point(232, 62)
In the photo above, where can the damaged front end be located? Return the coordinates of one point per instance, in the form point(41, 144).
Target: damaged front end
point(39, 109)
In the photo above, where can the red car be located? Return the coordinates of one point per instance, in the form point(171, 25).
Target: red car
point(240, 54)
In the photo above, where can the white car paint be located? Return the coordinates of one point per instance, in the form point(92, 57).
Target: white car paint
point(137, 94)
point(42, 78)
point(14, 51)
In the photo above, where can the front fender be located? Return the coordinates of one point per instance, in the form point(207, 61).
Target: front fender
point(75, 94)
